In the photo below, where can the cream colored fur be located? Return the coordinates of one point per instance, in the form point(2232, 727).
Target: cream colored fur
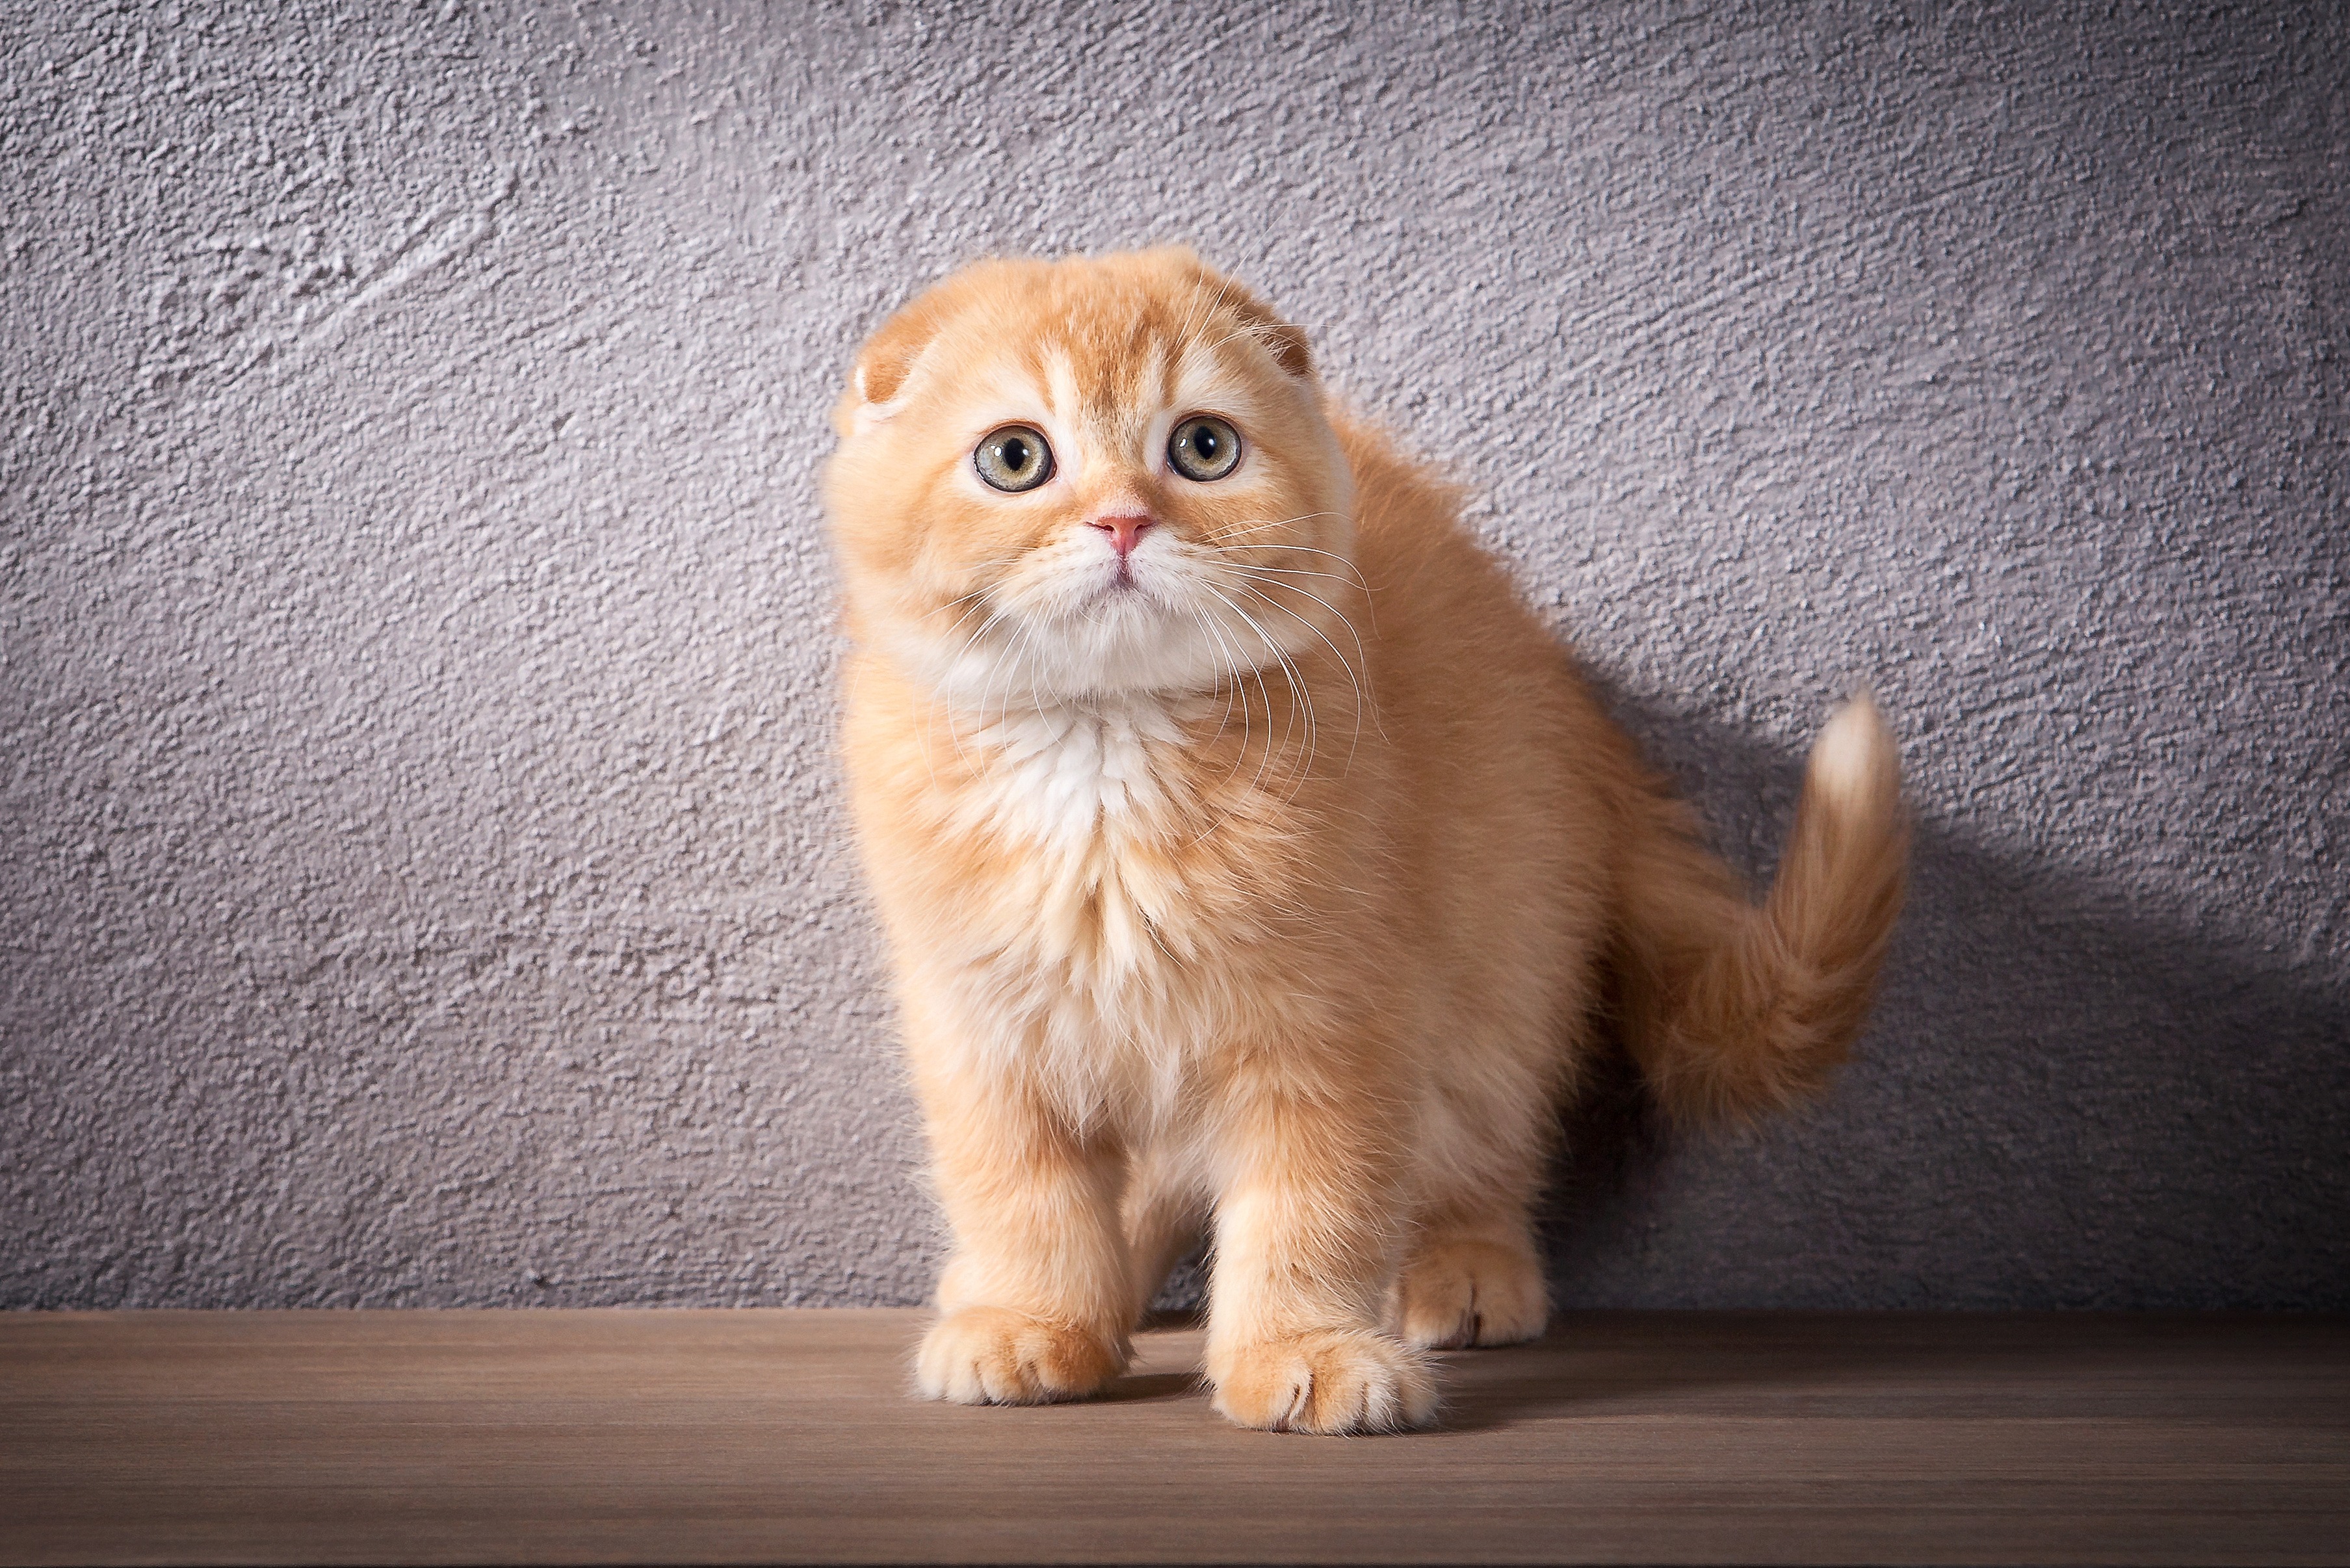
point(1273, 886)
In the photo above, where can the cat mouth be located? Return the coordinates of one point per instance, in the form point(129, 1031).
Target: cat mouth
point(1124, 599)
point(1122, 582)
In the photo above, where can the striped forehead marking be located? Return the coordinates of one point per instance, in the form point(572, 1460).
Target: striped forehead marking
point(1107, 387)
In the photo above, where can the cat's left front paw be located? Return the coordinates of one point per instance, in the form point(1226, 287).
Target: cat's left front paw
point(1333, 1381)
point(1462, 1292)
point(994, 1356)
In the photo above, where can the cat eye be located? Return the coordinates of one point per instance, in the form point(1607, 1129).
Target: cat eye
point(1015, 458)
point(1203, 447)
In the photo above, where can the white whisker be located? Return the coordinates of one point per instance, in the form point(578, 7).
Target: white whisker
point(1353, 678)
point(1300, 697)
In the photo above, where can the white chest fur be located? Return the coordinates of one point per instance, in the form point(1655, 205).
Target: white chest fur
point(1069, 955)
point(1080, 804)
point(1067, 779)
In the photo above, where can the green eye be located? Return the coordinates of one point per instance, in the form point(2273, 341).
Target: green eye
point(1016, 458)
point(1203, 447)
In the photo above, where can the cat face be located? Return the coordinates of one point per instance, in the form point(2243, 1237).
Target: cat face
point(1098, 477)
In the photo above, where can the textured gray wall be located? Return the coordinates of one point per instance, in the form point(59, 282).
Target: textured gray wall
point(424, 876)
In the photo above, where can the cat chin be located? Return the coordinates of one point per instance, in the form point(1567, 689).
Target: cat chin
point(1134, 652)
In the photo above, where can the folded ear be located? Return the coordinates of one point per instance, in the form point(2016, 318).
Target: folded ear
point(885, 362)
point(889, 356)
point(1284, 341)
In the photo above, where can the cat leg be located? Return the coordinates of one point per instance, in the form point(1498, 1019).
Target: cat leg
point(1305, 1230)
point(1163, 1212)
point(1471, 1273)
point(1473, 1277)
point(1034, 1302)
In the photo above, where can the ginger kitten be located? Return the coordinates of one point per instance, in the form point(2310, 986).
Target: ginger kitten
point(1253, 860)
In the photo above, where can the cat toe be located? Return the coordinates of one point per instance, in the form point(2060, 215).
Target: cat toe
point(1335, 1382)
point(1459, 1293)
point(993, 1355)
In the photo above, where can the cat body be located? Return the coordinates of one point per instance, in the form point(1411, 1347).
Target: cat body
point(1253, 860)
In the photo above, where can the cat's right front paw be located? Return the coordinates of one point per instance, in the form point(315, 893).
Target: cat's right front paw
point(1335, 1381)
point(993, 1355)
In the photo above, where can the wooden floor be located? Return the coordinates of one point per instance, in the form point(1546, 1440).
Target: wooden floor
point(707, 1437)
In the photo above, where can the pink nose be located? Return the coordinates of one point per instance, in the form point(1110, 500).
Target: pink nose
point(1124, 532)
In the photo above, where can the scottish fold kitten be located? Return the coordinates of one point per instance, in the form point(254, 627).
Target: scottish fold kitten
point(1255, 862)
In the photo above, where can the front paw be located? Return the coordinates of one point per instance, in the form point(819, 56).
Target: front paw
point(993, 1355)
point(1335, 1381)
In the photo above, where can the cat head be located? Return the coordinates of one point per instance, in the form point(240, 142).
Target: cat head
point(1091, 478)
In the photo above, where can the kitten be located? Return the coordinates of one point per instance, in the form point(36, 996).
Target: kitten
point(1253, 859)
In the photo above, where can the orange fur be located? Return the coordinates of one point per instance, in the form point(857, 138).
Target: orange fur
point(1270, 888)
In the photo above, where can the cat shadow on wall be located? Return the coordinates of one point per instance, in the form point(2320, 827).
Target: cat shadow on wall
point(2065, 1097)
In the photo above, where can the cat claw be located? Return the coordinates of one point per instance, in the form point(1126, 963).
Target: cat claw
point(1335, 1382)
point(994, 1356)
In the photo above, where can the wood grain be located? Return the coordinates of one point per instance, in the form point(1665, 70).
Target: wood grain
point(735, 1437)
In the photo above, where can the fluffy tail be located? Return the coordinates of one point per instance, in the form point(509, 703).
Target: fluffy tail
point(1732, 1011)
